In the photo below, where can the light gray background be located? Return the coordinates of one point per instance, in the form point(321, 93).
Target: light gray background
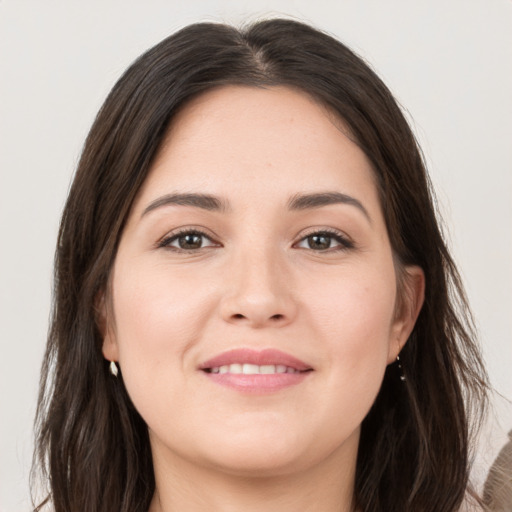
point(448, 61)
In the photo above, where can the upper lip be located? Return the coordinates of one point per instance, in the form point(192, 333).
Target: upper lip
point(258, 357)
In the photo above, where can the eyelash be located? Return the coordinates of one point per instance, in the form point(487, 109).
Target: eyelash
point(344, 242)
point(166, 241)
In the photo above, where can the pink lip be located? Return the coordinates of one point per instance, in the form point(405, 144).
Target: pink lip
point(263, 357)
point(256, 383)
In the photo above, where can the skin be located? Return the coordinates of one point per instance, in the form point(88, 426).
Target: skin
point(257, 282)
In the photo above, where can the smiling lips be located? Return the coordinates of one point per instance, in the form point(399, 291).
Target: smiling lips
point(253, 371)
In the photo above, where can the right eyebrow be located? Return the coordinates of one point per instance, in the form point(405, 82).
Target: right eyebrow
point(203, 201)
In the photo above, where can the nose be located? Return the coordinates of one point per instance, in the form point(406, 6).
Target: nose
point(259, 291)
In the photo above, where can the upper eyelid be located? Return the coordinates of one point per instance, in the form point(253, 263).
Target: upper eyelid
point(174, 234)
point(322, 230)
point(203, 231)
point(345, 242)
point(200, 230)
point(206, 232)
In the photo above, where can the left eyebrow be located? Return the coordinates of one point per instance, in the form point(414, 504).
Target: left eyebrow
point(317, 200)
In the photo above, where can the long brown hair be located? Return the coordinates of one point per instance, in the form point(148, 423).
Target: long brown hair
point(92, 444)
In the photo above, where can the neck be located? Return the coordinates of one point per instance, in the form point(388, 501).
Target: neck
point(185, 487)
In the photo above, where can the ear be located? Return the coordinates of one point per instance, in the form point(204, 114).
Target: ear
point(409, 303)
point(104, 321)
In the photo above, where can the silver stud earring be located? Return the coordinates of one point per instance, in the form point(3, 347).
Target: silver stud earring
point(113, 368)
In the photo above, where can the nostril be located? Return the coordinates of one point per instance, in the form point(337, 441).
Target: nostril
point(238, 316)
point(277, 317)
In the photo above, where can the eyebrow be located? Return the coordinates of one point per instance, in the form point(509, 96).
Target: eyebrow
point(203, 201)
point(296, 203)
point(317, 200)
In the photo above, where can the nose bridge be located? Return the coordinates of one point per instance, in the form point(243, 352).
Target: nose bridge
point(259, 288)
point(257, 271)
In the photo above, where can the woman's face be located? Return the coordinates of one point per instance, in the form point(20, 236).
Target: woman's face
point(254, 290)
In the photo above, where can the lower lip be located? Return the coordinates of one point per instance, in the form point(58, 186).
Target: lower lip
point(257, 383)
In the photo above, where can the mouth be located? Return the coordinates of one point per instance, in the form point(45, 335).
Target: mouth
point(252, 371)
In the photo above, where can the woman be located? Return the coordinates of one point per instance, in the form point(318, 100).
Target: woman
point(254, 306)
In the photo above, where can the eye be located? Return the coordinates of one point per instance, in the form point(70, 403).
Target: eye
point(325, 241)
point(189, 240)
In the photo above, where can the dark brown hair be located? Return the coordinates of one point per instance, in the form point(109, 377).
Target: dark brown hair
point(92, 444)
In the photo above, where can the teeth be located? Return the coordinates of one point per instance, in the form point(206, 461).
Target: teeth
point(250, 369)
point(253, 369)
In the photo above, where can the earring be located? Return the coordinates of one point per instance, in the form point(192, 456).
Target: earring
point(113, 368)
point(398, 362)
point(400, 369)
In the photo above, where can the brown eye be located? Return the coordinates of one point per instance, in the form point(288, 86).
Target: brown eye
point(187, 241)
point(325, 241)
point(190, 241)
point(319, 242)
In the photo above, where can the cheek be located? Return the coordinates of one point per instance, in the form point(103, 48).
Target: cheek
point(355, 320)
point(358, 337)
point(156, 306)
point(159, 315)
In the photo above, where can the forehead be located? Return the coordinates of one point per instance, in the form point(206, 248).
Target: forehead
point(259, 141)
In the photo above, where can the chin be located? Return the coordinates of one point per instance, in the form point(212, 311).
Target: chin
point(260, 463)
point(258, 453)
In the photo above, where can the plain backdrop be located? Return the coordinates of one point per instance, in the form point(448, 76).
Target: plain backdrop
point(449, 63)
